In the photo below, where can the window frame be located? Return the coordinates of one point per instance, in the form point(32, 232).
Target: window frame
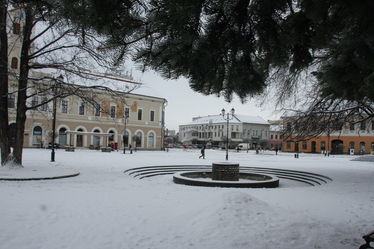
point(152, 115)
point(140, 114)
point(81, 107)
point(112, 111)
point(14, 63)
point(16, 29)
point(63, 105)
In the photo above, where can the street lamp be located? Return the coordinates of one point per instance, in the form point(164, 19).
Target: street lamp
point(227, 118)
point(59, 78)
point(126, 116)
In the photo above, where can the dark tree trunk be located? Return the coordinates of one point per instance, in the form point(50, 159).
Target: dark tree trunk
point(4, 128)
point(22, 86)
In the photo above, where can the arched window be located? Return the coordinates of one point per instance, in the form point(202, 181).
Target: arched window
point(111, 137)
point(62, 136)
point(151, 140)
point(14, 63)
point(96, 139)
point(305, 145)
point(126, 139)
point(323, 145)
point(362, 147)
point(80, 138)
point(37, 133)
point(138, 139)
point(351, 145)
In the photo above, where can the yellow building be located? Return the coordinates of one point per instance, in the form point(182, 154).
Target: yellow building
point(79, 123)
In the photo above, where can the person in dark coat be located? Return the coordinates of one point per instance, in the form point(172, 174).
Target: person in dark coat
point(202, 152)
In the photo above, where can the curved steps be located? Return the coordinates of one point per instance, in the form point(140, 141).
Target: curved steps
point(308, 178)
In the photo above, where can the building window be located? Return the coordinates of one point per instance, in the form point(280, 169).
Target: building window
point(363, 125)
point(37, 136)
point(11, 100)
point(152, 116)
point(151, 140)
point(372, 125)
point(127, 113)
point(352, 145)
point(64, 106)
point(126, 139)
point(44, 107)
point(97, 110)
point(323, 145)
point(14, 63)
point(338, 125)
point(140, 114)
point(362, 147)
point(79, 138)
point(288, 144)
point(271, 136)
point(111, 137)
point(16, 28)
point(351, 126)
point(62, 138)
point(34, 100)
point(81, 108)
point(276, 136)
point(112, 111)
point(138, 139)
point(288, 127)
point(305, 145)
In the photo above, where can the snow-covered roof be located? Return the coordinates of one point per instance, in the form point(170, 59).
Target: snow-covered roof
point(211, 119)
point(275, 127)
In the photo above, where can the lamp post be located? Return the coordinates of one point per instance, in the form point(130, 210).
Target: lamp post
point(59, 78)
point(126, 116)
point(229, 116)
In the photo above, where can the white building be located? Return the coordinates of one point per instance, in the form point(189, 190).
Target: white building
point(213, 129)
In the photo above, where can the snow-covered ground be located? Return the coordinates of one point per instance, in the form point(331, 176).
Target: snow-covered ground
point(104, 208)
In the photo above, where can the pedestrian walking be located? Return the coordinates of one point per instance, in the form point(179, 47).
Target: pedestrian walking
point(202, 152)
point(130, 147)
point(276, 150)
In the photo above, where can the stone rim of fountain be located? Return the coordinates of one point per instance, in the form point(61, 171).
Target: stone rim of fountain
point(226, 174)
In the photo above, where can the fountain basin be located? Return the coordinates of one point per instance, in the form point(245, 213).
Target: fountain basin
point(245, 180)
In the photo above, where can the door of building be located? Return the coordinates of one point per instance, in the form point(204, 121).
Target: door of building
point(337, 146)
point(314, 147)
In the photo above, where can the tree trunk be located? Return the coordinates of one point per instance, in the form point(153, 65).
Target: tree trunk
point(22, 86)
point(4, 120)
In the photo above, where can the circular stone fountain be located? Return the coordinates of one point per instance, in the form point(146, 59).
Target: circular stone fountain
point(226, 175)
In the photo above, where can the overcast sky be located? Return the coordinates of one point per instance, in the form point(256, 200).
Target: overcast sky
point(184, 103)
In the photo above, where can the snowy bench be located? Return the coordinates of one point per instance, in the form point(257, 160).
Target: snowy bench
point(70, 148)
point(368, 238)
point(106, 149)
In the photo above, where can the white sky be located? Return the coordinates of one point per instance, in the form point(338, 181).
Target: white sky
point(184, 103)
